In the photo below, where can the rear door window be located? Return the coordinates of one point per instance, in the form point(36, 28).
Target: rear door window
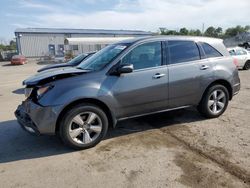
point(210, 51)
point(183, 51)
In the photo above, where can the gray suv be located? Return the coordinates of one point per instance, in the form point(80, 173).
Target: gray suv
point(128, 79)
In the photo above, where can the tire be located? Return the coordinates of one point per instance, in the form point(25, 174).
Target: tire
point(83, 126)
point(247, 65)
point(210, 100)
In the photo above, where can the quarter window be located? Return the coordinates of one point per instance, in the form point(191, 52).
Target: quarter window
point(210, 51)
point(144, 56)
point(183, 51)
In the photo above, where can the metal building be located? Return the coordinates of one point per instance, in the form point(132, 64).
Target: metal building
point(37, 42)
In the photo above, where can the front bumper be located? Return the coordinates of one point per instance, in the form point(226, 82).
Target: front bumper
point(26, 123)
point(37, 119)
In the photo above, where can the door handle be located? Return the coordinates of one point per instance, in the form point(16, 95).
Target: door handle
point(158, 75)
point(204, 67)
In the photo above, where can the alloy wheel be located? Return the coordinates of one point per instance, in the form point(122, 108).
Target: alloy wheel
point(217, 101)
point(85, 127)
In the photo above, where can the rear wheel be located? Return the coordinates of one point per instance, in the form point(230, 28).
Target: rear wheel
point(83, 126)
point(247, 65)
point(214, 102)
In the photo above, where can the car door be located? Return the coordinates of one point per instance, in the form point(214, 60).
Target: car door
point(187, 71)
point(145, 90)
point(241, 56)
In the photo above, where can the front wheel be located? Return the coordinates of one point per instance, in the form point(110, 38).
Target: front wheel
point(83, 126)
point(214, 102)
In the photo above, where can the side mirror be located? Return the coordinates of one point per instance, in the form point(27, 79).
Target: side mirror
point(126, 68)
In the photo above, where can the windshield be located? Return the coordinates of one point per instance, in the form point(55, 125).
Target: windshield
point(103, 57)
point(77, 59)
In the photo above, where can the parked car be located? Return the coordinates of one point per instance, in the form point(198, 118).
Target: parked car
point(128, 79)
point(242, 56)
point(74, 62)
point(18, 60)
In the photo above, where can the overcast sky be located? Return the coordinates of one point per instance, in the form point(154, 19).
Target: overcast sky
point(146, 15)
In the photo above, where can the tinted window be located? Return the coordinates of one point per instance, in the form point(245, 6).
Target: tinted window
point(183, 51)
point(144, 56)
point(210, 51)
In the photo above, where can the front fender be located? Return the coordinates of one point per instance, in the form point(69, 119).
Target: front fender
point(68, 91)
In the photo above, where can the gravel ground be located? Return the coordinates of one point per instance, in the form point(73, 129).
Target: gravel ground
point(174, 149)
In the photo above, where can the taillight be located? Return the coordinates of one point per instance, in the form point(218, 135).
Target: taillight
point(236, 62)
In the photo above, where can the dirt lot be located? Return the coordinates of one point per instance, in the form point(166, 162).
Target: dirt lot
point(174, 149)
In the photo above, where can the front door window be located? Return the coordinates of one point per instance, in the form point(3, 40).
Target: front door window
point(144, 56)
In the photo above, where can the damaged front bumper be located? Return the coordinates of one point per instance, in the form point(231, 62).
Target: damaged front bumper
point(37, 119)
point(26, 123)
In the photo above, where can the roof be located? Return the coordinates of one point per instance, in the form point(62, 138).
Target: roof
point(235, 48)
point(81, 31)
point(214, 42)
point(209, 40)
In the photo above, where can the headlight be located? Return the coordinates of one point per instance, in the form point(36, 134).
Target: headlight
point(42, 90)
point(27, 92)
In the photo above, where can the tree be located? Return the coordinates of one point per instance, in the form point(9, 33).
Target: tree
point(210, 32)
point(12, 43)
point(247, 28)
point(219, 31)
point(193, 32)
point(214, 32)
point(11, 46)
point(233, 31)
point(164, 31)
point(172, 32)
point(183, 31)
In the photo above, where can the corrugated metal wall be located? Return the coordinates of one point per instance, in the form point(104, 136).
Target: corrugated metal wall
point(37, 45)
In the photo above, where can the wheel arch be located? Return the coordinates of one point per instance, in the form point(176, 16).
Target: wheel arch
point(247, 61)
point(111, 118)
point(220, 82)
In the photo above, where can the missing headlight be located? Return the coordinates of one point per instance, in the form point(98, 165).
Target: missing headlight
point(42, 90)
point(27, 92)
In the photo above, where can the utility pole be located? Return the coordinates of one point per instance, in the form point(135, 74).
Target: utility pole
point(203, 28)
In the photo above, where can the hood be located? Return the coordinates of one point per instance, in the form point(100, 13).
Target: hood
point(52, 75)
point(60, 65)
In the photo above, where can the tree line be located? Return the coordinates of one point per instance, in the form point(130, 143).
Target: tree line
point(209, 32)
point(10, 46)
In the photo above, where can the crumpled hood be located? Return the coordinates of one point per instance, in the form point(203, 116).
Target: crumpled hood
point(58, 65)
point(52, 75)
